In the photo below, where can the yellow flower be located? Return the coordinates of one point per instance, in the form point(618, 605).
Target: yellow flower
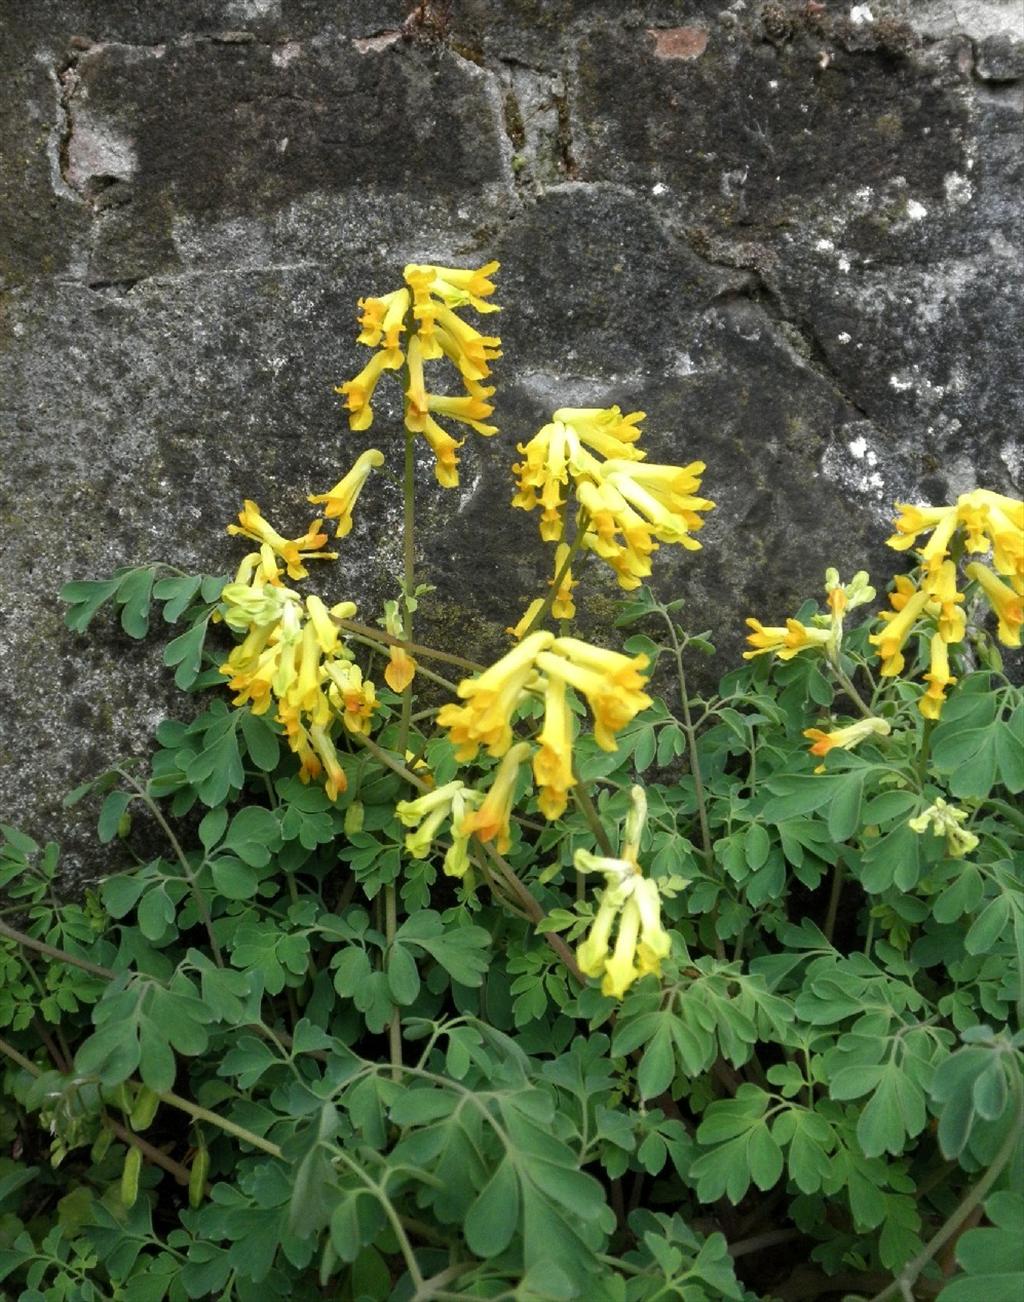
point(526, 619)
point(611, 682)
point(358, 391)
point(491, 699)
point(605, 429)
point(592, 954)
point(563, 606)
point(785, 642)
point(491, 821)
point(401, 668)
point(384, 317)
point(467, 409)
point(846, 738)
point(1007, 604)
point(350, 694)
point(259, 566)
point(443, 447)
point(336, 781)
point(945, 820)
point(947, 602)
point(938, 679)
point(340, 499)
point(457, 286)
point(914, 520)
point(620, 970)
point(251, 524)
point(892, 637)
point(552, 763)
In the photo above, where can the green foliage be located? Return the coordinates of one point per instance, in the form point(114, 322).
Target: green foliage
point(365, 1078)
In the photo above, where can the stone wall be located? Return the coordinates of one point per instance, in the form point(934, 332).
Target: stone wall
point(788, 231)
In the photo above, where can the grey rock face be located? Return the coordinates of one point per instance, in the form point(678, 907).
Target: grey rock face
point(787, 231)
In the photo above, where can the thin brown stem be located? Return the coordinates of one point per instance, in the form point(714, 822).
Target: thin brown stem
point(149, 1151)
point(556, 583)
point(61, 955)
point(414, 648)
point(586, 806)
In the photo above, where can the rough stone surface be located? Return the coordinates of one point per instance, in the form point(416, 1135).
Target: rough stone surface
point(788, 231)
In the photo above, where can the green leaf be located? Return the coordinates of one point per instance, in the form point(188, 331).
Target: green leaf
point(493, 1219)
point(176, 594)
point(84, 599)
point(234, 879)
point(459, 950)
point(110, 815)
point(133, 595)
point(657, 1066)
point(403, 976)
point(254, 833)
point(844, 811)
point(186, 651)
point(988, 926)
point(261, 741)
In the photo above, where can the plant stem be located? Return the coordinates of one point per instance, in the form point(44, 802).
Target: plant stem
point(850, 690)
point(545, 610)
point(535, 913)
point(585, 804)
point(378, 752)
point(905, 1281)
point(395, 1023)
point(833, 901)
point(414, 648)
point(15, 1056)
point(376, 644)
point(408, 569)
point(222, 1123)
point(61, 955)
point(186, 867)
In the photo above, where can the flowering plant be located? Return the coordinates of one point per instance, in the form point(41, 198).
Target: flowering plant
point(366, 1007)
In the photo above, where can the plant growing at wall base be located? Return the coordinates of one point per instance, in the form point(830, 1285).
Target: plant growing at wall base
point(520, 980)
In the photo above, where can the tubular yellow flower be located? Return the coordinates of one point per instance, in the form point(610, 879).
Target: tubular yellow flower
point(336, 781)
point(526, 620)
point(251, 524)
point(785, 642)
point(846, 738)
point(358, 392)
point(1007, 604)
point(914, 520)
point(611, 683)
point(416, 394)
point(552, 763)
point(353, 696)
point(384, 317)
point(892, 637)
point(563, 606)
point(947, 601)
point(491, 699)
point(340, 500)
point(443, 447)
point(620, 971)
point(592, 954)
point(655, 942)
point(938, 679)
point(457, 286)
point(605, 429)
point(467, 409)
point(491, 821)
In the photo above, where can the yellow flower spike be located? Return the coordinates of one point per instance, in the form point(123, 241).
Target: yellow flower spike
point(938, 679)
point(340, 500)
point(606, 430)
point(491, 699)
point(1007, 604)
point(336, 781)
point(467, 409)
point(785, 642)
point(563, 606)
point(358, 392)
point(491, 821)
point(620, 971)
point(477, 348)
point(846, 738)
point(519, 629)
point(552, 763)
point(443, 447)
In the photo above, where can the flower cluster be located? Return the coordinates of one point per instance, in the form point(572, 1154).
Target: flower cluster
point(425, 310)
point(845, 738)
point(980, 522)
point(292, 654)
point(542, 665)
point(625, 509)
point(630, 900)
point(452, 803)
point(946, 820)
